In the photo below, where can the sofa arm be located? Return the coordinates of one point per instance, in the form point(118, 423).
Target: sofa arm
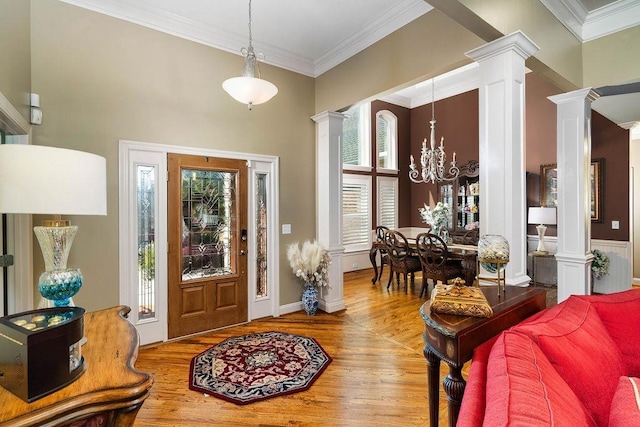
point(473, 401)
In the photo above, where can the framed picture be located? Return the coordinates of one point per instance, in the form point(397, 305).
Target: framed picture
point(549, 187)
point(596, 172)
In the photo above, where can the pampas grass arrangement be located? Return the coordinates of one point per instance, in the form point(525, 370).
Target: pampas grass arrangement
point(310, 263)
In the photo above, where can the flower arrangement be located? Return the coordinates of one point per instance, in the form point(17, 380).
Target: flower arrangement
point(472, 225)
point(438, 217)
point(600, 264)
point(310, 263)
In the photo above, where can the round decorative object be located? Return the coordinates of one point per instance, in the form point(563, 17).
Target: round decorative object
point(493, 252)
point(60, 285)
point(310, 299)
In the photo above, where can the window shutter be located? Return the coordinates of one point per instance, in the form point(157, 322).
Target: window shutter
point(356, 212)
point(388, 202)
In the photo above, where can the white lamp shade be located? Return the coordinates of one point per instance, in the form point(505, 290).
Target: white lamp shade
point(36, 179)
point(250, 90)
point(542, 215)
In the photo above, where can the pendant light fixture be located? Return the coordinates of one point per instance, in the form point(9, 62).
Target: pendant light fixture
point(249, 89)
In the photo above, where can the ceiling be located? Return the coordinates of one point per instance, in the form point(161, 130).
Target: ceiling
point(311, 37)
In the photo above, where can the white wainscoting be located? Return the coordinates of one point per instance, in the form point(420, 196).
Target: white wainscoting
point(619, 253)
point(359, 260)
point(619, 277)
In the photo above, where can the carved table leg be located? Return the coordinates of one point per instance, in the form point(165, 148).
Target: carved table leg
point(433, 381)
point(454, 386)
point(372, 256)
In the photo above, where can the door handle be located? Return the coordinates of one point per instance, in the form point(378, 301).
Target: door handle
point(243, 252)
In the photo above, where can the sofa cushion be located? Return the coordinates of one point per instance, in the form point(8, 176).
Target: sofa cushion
point(573, 338)
point(620, 314)
point(625, 408)
point(524, 389)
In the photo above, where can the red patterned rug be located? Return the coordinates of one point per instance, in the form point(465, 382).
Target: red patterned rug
point(255, 367)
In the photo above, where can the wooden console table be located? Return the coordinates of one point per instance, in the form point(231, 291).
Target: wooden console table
point(453, 338)
point(110, 389)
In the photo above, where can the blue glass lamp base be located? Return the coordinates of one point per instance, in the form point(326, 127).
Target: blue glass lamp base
point(59, 286)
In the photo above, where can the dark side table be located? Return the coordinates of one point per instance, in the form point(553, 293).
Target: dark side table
point(453, 338)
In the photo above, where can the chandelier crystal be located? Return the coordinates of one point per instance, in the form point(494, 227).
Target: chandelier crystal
point(249, 89)
point(433, 159)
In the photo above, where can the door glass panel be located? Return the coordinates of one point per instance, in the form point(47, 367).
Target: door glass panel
point(261, 233)
point(146, 202)
point(208, 223)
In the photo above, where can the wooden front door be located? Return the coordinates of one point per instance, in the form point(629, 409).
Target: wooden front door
point(207, 224)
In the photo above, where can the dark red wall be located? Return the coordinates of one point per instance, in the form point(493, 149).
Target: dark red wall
point(540, 138)
point(457, 121)
point(611, 143)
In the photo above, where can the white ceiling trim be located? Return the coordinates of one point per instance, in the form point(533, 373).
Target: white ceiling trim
point(455, 82)
point(396, 18)
point(151, 17)
point(587, 26)
point(147, 15)
point(609, 19)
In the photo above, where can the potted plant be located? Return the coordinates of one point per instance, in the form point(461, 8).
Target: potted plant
point(599, 266)
point(311, 264)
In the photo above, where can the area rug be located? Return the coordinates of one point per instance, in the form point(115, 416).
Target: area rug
point(256, 367)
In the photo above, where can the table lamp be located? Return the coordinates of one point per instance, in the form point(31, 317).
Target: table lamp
point(53, 181)
point(542, 216)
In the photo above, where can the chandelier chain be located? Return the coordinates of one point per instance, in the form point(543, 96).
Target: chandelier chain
point(250, 35)
point(433, 99)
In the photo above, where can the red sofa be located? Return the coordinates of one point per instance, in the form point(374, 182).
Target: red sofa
point(574, 364)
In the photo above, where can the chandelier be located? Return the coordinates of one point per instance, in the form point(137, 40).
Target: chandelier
point(433, 159)
point(249, 89)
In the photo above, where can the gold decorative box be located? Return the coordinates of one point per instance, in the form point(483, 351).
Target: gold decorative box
point(459, 299)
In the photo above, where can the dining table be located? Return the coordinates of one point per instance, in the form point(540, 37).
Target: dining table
point(467, 254)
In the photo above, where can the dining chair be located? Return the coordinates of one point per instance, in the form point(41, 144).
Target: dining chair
point(401, 258)
point(434, 259)
point(379, 246)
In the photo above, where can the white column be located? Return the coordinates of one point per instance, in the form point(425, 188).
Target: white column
point(502, 147)
point(574, 212)
point(329, 203)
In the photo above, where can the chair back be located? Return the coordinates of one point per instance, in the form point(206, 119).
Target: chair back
point(381, 230)
point(432, 251)
point(397, 245)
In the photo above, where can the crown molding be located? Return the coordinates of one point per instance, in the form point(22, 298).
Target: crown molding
point(612, 18)
point(145, 14)
point(394, 19)
point(587, 26)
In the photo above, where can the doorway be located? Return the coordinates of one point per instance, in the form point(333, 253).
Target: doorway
point(145, 233)
point(207, 224)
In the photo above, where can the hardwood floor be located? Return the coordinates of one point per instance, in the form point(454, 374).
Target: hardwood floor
point(377, 377)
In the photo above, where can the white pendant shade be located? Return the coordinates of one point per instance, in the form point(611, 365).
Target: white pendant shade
point(250, 90)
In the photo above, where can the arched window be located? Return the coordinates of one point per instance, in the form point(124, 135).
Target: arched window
point(386, 140)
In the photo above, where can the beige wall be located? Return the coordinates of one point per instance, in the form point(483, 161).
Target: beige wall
point(612, 59)
point(15, 54)
point(559, 49)
point(634, 162)
point(428, 46)
point(102, 79)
